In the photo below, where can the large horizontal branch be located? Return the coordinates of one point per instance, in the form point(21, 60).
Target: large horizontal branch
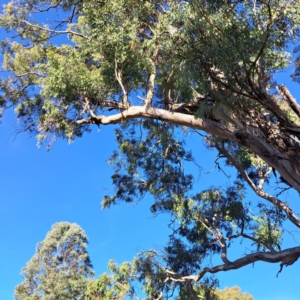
point(164, 115)
point(288, 167)
point(286, 257)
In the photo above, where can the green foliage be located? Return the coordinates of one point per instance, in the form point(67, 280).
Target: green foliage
point(111, 287)
point(124, 281)
point(121, 36)
point(60, 268)
point(268, 233)
point(233, 293)
point(153, 163)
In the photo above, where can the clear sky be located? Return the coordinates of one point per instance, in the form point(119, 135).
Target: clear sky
point(39, 188)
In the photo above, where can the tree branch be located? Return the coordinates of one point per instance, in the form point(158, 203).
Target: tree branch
point(286, 257)
point(253, 140)
point(112, 104)
point(118, 75)
point(290, 99)
point(152, 76)
point(260, 192)
point(264, 178)
point(179, 119)
point(167, 91)
point(55, 31)
point(258, 242)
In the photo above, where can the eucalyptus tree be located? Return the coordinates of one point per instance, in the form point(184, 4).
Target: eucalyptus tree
point(60, 268)
point(160, 69)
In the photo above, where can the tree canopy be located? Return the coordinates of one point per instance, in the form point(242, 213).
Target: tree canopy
point(161, 70)
point(60, 267)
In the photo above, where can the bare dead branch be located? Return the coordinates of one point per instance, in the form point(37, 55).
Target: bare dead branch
point(55, 31)
point(264, 178)
point(118, 75)
point(290, 99)
point(218, 236)
point(258, 242)
point(31, 73)
point(50, 7)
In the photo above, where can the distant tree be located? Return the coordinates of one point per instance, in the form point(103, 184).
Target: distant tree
point(233, 293)
point(116, 285)
point(60, 268)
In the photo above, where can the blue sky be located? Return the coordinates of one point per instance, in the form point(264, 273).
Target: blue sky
point(39, 188)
